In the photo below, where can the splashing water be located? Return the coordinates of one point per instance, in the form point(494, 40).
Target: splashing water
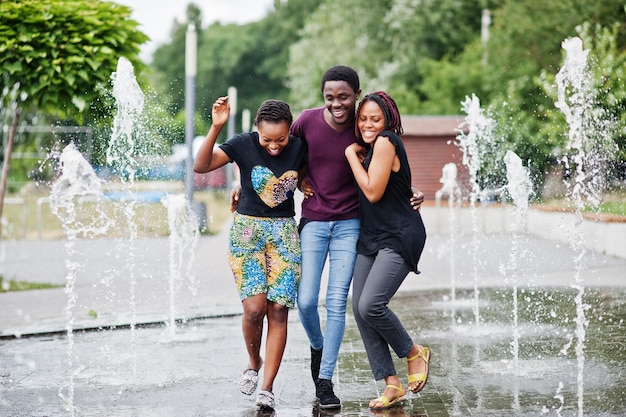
point(519, 187)
point(450, 188)
point(590, 150)
point(588, 134)
point(76, 180)
point(184, 234)
point(129, 100)
point(121, 155)
point(479, 130)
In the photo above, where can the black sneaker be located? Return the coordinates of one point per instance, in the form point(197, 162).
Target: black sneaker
point(316, 361)
point(325, 394)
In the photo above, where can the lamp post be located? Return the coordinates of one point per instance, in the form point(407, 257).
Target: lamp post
point(191, 63)
point(191, 58)
point(245, 120)
point(485, 22)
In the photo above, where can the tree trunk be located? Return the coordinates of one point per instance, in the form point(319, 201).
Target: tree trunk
point(7, 163)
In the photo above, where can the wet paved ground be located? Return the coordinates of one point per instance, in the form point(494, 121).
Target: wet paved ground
point(192, 368)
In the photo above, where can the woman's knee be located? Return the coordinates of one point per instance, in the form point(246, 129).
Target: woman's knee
point(369, 311)
point(277, 312)
point(255, 308)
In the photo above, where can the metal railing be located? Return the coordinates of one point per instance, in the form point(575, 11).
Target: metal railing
point(18, 201)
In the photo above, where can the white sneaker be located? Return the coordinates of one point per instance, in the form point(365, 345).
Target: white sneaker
point(248, 381)
point(265, 399)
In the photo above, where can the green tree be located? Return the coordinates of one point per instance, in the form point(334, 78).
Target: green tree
point(526, 44)
point(57, 57)
point(425, 32)
point(606, 67)
point(526, 39)
point(168, 61)
point(387, 41)
point(220, 48)
point(340, 33)
point(446, 82)
point(430, 54)
point(522, 55)
point(251, 57)
point(261, 72)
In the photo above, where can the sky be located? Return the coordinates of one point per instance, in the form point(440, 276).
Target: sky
point(155, 17)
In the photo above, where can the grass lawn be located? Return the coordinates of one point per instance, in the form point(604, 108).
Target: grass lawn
point(612, 203)
point(30, 216)
point(13, 285)
point(614, 207)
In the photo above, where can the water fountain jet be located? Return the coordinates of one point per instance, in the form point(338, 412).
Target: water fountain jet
point(450, 189)
point(519, 188)
point(590, 151)
point(184, 234)
point(473, 134)
point(76, 179)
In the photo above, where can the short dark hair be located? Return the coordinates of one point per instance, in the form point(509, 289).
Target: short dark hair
point(273, 111)
point(342, 73)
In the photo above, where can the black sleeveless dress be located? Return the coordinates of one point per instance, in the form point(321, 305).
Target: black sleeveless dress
point(391, 222)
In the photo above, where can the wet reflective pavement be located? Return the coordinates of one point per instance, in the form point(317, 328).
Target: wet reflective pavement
point(192, 369)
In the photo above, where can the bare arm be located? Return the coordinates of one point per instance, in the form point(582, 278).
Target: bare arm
point(306, 188)
point(374, 181)
point(210, 158)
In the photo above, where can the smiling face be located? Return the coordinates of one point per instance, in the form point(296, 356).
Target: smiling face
point(340, 101)
point(273, 136)
point(370, 121)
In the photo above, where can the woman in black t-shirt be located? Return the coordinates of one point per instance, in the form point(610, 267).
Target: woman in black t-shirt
point(264, 248)
point(389, 247)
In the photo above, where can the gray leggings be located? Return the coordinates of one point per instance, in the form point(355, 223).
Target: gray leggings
point(376, 280)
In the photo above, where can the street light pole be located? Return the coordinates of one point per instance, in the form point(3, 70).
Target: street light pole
point(191, 52)
point(191, 63)
point(245, 120)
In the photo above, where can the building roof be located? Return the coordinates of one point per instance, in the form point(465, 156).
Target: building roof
point(431, 125)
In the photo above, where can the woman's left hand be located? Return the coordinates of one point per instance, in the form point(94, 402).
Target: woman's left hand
point(357, 150)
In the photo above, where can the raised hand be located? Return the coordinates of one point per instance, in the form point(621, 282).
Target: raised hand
point(220, 111)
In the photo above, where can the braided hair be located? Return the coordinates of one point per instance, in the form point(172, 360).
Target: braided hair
point(389, 108)
point(273, 111)
point(342, 73)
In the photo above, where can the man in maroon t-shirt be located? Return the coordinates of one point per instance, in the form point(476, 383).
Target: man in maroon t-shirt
point(330, 222)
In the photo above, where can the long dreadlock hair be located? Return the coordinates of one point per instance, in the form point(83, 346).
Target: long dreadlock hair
point(389, 108)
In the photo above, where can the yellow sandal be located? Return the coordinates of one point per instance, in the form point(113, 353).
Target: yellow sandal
point(386, 402)
point(421, 377)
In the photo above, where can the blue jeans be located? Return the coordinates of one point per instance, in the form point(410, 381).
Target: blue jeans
point(337, 241)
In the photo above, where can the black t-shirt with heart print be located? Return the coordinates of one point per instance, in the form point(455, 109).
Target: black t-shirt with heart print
point(267, 182)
